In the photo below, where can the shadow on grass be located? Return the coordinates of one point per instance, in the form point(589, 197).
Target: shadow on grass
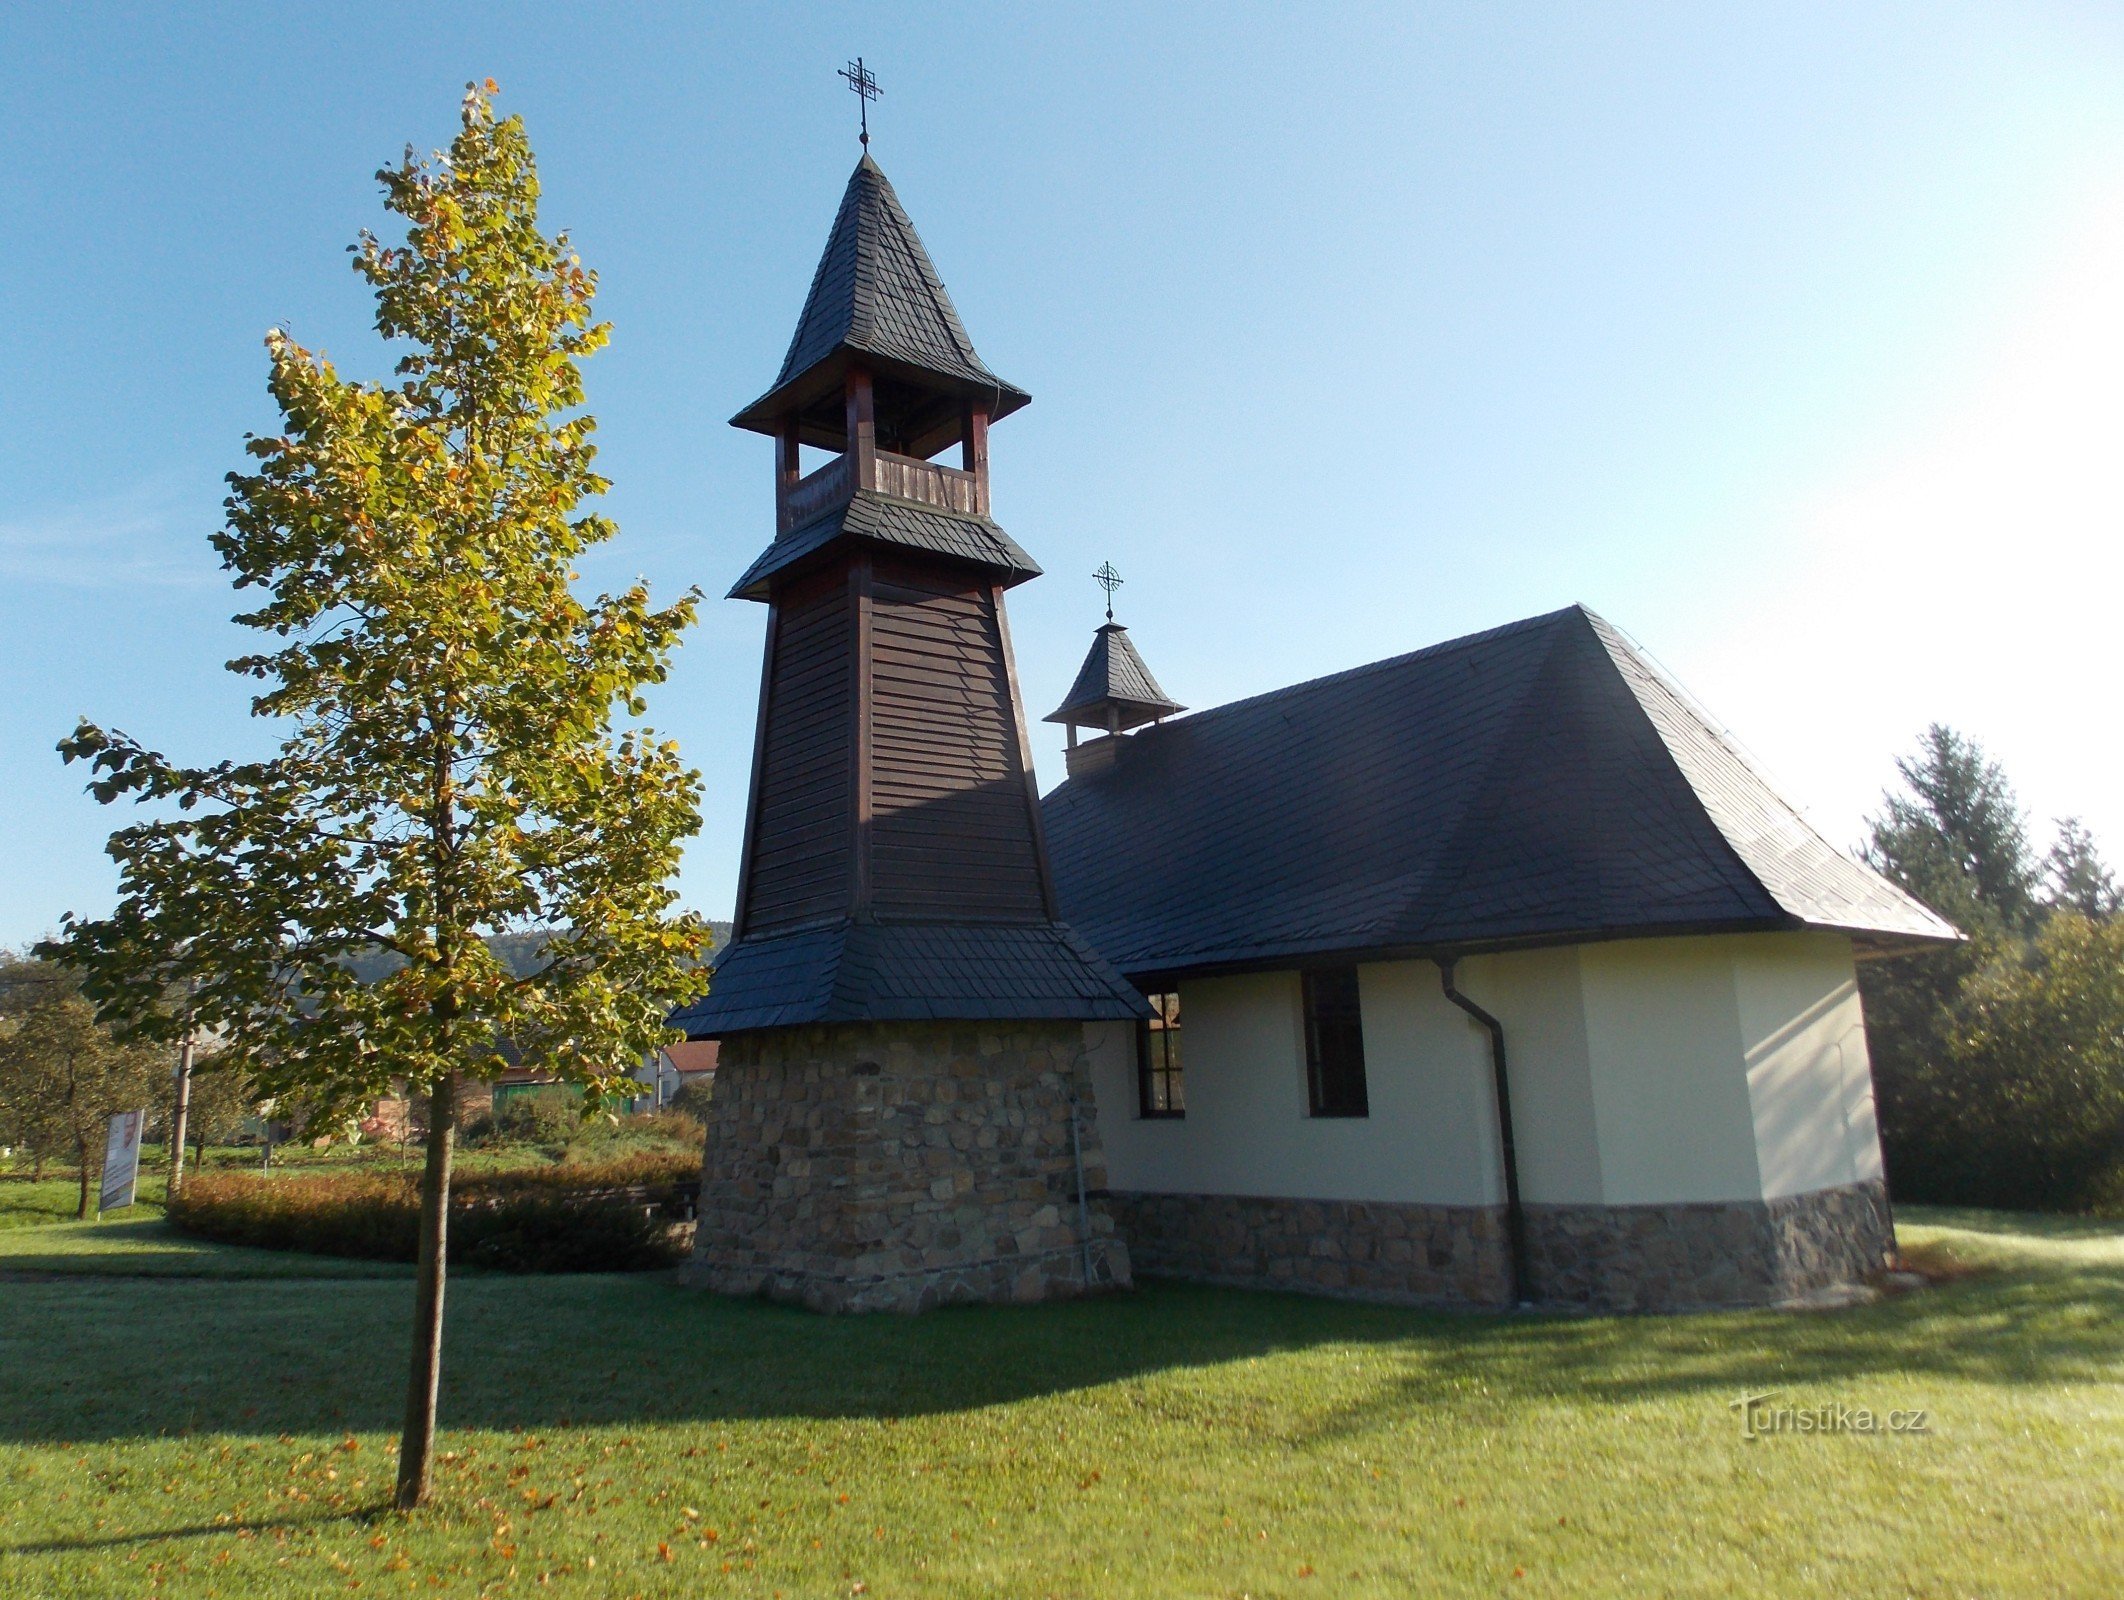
point(302, 1356)
point(248, 1527)
point(147, 1246)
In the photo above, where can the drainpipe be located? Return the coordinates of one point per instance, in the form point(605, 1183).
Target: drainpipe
point(1515, 1213)
point(1076, 1150)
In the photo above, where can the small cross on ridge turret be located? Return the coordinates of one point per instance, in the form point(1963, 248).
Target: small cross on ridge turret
point(1109, 580)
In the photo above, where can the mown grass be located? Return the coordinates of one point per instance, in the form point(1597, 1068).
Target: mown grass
point(624, 1436)
point(27, 1203)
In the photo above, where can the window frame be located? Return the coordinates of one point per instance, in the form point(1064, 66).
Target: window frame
point(1329, 1033)
point(1171, 1070)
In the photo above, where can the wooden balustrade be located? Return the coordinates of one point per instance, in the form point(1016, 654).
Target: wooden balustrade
point(947, 488)
point(815, 495)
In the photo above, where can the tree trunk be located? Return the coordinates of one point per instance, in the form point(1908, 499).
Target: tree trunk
point(418, 1443)
point(81, 1158)
point(180, 1113)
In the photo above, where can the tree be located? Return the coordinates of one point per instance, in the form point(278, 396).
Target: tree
point(1956, 837)
point(63, 1076)
point(458, 751)
point(2076, 876)
point(2036, 1099)
point(222, 1099)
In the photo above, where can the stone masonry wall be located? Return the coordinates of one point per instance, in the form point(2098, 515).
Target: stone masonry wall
point(898, 1166)
point(1603, 1258)
point(1372, 1250)
point(1679, 1257)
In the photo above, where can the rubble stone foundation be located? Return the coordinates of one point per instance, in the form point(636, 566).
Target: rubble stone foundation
point(903, 1165)
point(1739, 1252)
point(1601, 1258)
point(1412, 1254)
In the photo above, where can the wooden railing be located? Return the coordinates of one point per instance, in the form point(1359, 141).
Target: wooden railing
point(947, 488)
point(904, 477)
point(814, 495)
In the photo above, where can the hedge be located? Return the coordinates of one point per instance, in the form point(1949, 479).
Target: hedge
point(613, 1216)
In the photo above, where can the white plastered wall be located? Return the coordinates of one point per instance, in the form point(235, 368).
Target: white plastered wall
point(1643, 1072)
point(1809, 1081)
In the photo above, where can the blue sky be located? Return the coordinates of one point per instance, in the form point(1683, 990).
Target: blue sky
point(1786, 337)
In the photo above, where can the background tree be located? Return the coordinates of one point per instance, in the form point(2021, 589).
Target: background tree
point(1956, 837)
point(2034, 1104)
point(2076, 877)
point(453, 756)
point(1991, 1059)
point(63, 1075)
point(222, 1101)
point(1953, 836)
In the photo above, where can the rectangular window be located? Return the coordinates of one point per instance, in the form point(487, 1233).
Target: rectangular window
point(1334, 1043)
point(1158, 1083)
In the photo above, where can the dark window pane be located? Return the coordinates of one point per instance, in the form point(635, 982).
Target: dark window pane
point(1158, 1059)
point(1334, 1043)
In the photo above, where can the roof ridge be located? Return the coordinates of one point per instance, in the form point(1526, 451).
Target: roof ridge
point(1443, 647)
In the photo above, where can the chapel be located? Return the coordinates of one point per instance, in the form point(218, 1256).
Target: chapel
point(1491, 974)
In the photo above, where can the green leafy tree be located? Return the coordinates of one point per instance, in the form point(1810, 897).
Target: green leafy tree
point(2035, 1102)
point(63, 1075)
point(457, 751)
point(222, 1100)
point(2075, 875)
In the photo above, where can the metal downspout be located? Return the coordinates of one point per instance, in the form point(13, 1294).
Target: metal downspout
point(1076, 1150)
point(1515, 1213)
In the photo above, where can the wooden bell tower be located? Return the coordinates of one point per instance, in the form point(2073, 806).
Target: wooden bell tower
point(866, 1147)
point(892, 841)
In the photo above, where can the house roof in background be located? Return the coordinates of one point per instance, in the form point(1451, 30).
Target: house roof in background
point(877, 294)
point(1113, 675)
point(1538, 783)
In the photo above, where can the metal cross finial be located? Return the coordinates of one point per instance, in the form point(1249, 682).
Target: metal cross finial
point(1109, 580)
point(866, 87)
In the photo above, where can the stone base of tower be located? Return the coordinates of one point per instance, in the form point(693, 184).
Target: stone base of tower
point(895, 1166)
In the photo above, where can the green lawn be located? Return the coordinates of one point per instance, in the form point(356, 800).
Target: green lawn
point(186, 1435)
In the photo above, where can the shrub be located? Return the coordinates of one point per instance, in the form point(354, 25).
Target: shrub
point(539, 1116)
point(692, 1099)
point(583, 1217)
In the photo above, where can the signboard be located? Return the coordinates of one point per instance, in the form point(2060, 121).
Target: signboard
point(121, 1160)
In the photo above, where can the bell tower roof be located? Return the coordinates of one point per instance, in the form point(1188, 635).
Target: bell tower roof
point(876, 298)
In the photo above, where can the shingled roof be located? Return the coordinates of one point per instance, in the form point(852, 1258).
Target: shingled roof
point(1114, 678)
point(899, 972)
point(1538, 783)
point(876, 294)
point(883, 520)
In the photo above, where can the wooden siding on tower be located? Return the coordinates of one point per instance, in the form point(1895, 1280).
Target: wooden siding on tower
point(951, 832)
point(801, 837)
